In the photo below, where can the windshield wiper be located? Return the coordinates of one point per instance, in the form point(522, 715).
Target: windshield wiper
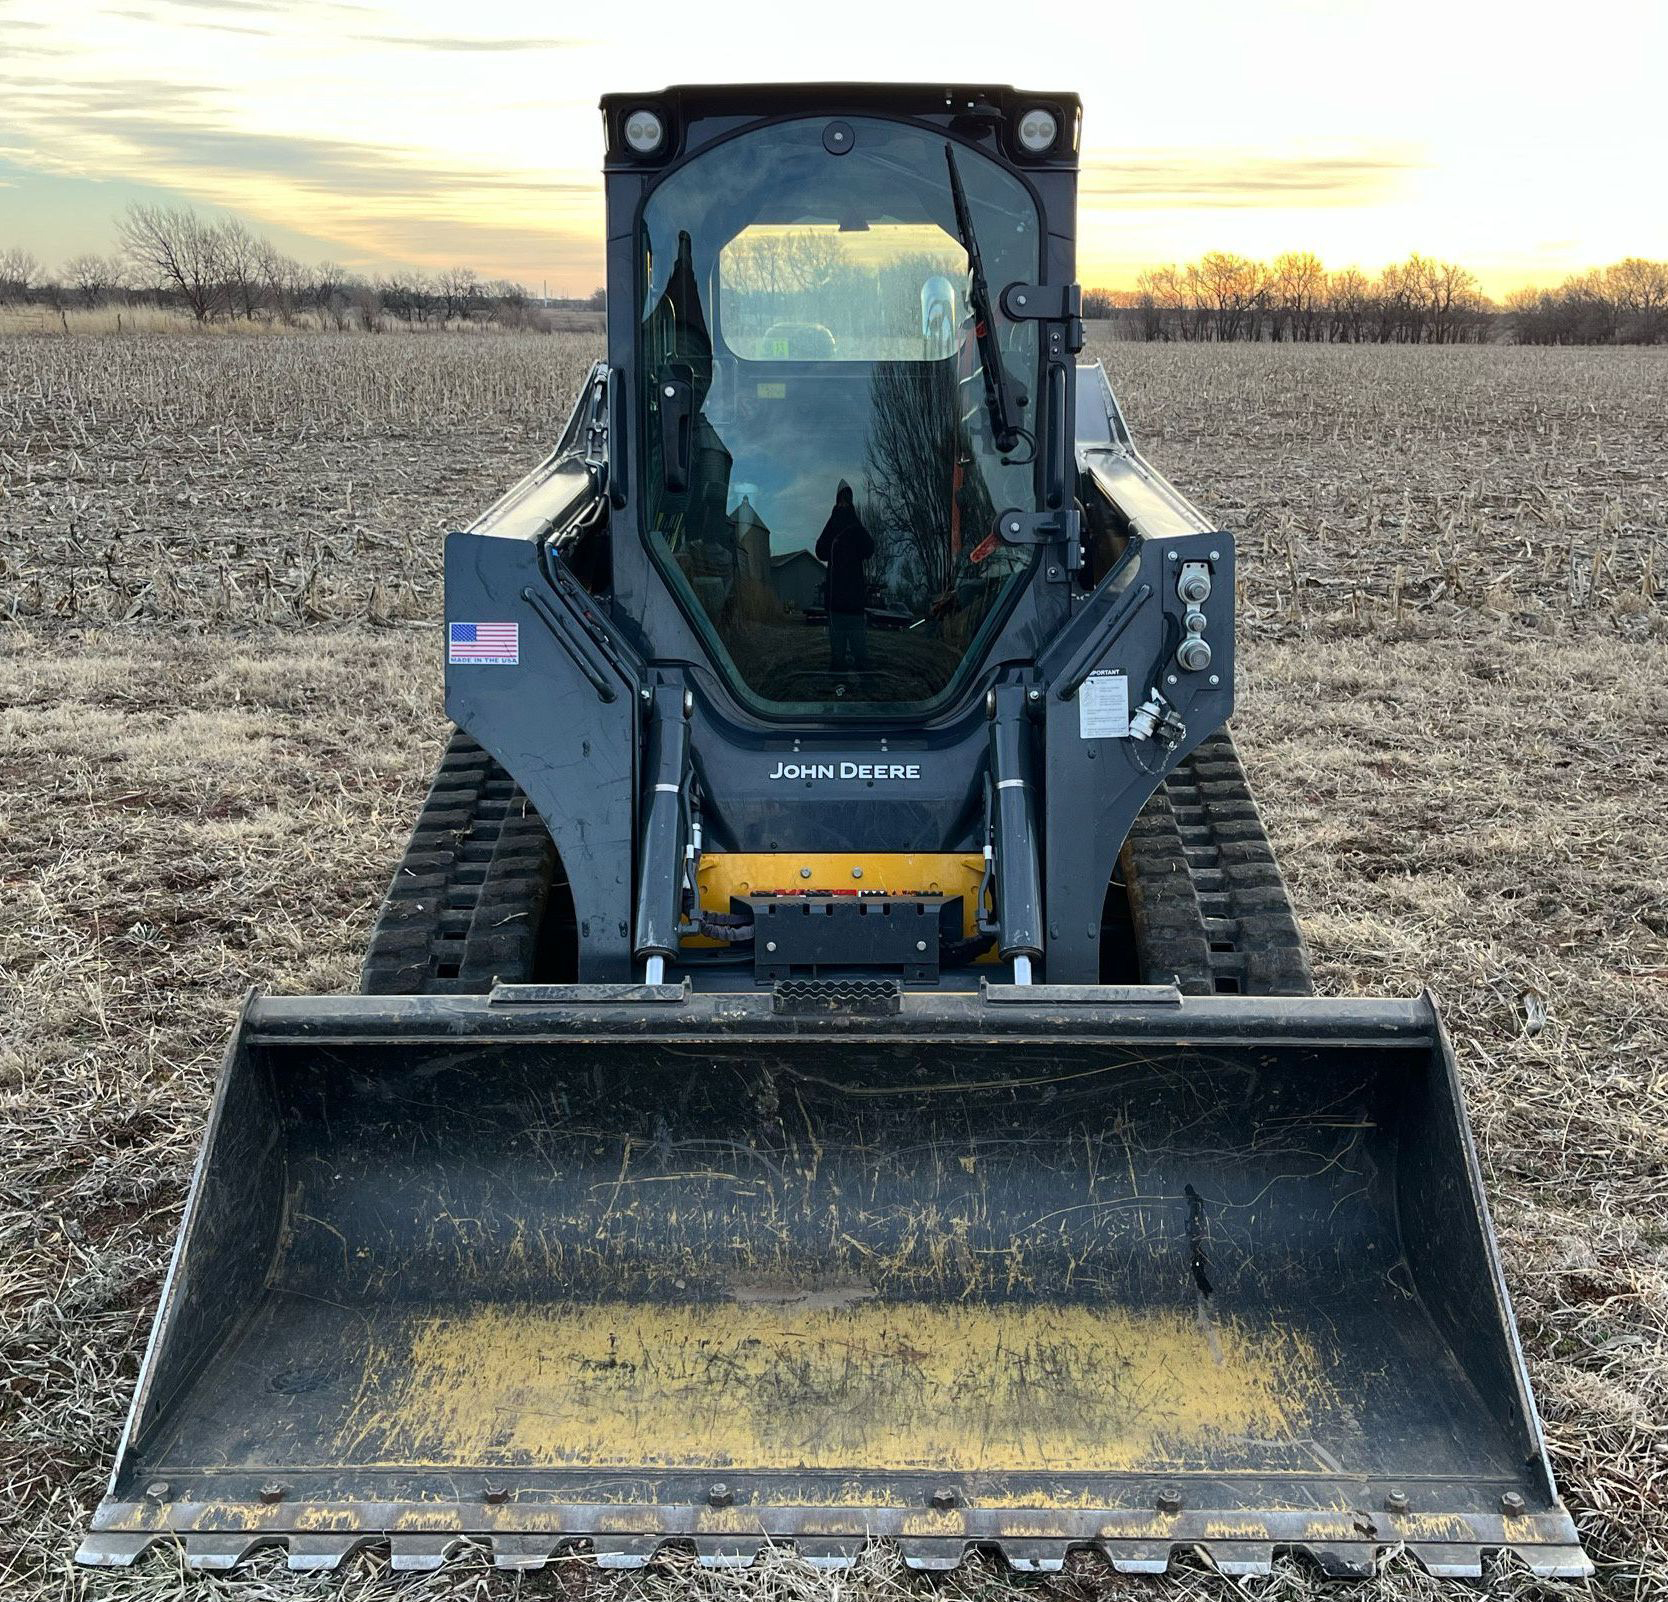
point(998, 402)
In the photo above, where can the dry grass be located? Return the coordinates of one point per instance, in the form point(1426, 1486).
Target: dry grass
point(1453, 704)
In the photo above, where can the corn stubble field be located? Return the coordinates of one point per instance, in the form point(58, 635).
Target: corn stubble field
point(220, 701)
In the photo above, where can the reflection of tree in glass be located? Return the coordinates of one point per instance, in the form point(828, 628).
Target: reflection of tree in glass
point(925, 514)
point(791, 262)
point(857, 285)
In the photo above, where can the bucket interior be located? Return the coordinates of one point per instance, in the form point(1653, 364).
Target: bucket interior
point(1037, 1265)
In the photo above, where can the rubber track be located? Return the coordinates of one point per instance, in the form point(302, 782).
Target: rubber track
point(1208, 905)
point(467, 900)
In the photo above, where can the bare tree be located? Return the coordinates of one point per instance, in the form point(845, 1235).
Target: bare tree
point(94, 277)
point(1233, 288)
point(18, 273)
point(1297, 287)
point(459, 288)
point(240, 268)
point(1640, 290)
point(282, 279)
point(179, 252)
point(1349, 296)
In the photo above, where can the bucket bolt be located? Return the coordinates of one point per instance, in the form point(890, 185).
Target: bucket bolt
point(495, 1496)
point(1169, 1499)
point(157, 1490)
point(944, 1498)
point(1396, 1502)
point(720, 1495)
point(272, 1491)
point(1512, 1503)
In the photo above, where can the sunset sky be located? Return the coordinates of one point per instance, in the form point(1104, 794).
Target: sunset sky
point(1526, 141)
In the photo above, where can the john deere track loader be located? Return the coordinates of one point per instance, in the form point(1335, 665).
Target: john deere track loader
point(836, 1061)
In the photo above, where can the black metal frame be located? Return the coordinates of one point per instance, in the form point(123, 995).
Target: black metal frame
point(600, 676)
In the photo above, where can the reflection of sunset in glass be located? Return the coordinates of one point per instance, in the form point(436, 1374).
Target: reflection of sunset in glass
point(420, 134)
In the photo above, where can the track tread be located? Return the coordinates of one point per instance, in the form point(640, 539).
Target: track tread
point(467, 901)
point(1207, 901)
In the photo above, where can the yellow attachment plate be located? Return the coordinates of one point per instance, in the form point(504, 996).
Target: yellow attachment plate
point(722, 875)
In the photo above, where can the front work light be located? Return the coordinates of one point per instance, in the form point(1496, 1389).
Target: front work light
point(1038, 129)
point(644, 131)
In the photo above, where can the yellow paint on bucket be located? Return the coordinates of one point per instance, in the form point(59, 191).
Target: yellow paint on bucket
point(834, 1382)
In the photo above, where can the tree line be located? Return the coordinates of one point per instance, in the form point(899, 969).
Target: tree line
point(220, 270)
point(1624, 304)
point(1419, 301)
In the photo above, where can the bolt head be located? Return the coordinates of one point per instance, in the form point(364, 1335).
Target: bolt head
point(720, 1495)
point(1194, 653)
point(857, 873)
point(272, 1491)
point(1216, 678)
point(495, 1495)
point(1174, 557)
point(770, 945)
point(1512, 1503)
point(1171, 679)
point(157, 1490)
point(944, 1497)
point(804, 873)
point(1396, 1502)
point(1033, 695)
point(920, 945)
point(1216, 556)
point(1169, 1499)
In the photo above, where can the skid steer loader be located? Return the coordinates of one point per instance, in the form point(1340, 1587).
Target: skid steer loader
point(836, 1062)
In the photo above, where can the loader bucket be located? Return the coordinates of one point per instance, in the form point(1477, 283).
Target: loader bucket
point(599, 1269)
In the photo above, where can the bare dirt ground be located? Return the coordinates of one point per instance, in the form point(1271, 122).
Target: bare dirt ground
point(219, 700)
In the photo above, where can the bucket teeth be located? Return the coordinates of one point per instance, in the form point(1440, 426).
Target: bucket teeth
point(1035, 1557)
point(219, 1550)
point(1557, 1562)
point(324, 1551)
point(1137, 1557)
point(415, 1552)
point(717, 1552)
point(523, 1551)
point(112, 1549)
point(924, 1552)
point(1450, 1562)
point(1239, 1558)
point(1347, 1560)
point(623, 1551)
point(825, 1554)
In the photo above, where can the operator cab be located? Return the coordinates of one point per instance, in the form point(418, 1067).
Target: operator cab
point(829, 420)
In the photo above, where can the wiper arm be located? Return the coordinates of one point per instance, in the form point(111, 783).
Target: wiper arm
point(998, 402)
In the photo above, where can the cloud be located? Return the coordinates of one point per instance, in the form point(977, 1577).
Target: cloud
point(270, 7)
point(171, 133)
point(459, 44)
point(1217, 179)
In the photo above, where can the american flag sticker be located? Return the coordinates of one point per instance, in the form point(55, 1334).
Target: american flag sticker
point(490, 644)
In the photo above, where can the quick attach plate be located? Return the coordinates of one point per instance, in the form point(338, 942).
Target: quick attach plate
point(817, 931)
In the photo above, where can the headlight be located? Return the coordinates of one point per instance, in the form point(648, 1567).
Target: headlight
point(1038, 129)
point(643, 132)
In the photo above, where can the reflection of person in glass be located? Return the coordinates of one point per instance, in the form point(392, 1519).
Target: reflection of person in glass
point(844, 545)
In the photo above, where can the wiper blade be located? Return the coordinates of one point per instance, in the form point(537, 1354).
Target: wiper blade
point(998, 402)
